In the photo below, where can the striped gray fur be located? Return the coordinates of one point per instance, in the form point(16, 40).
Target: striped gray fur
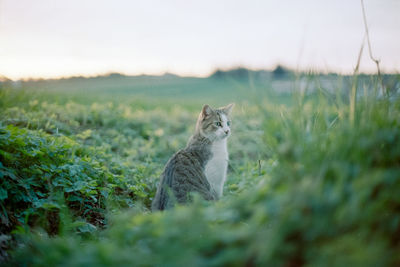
point(184, 173)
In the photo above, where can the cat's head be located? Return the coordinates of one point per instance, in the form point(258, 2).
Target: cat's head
point(215, 124)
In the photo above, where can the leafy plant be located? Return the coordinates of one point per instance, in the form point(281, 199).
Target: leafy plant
point(308, 185)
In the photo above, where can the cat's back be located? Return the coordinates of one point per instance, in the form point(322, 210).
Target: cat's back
point(178, 167)
point(183, 173)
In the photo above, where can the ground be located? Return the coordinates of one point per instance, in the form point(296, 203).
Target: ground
point(310, 179)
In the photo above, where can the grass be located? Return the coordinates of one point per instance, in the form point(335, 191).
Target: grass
point(307, 183)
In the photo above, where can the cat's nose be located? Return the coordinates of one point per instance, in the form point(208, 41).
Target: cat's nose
point(226, 131)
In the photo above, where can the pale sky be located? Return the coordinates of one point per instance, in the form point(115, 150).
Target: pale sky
point(54, 38)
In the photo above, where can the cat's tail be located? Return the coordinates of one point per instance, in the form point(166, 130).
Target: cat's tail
point(162, 198)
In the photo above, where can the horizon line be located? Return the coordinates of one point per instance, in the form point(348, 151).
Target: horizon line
point(190, 75)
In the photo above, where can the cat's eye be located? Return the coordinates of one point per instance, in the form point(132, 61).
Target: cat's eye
point(217, 123)
point(228, 123)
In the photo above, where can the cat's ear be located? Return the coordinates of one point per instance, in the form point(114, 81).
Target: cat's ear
point(206, 111)
point(228, 109)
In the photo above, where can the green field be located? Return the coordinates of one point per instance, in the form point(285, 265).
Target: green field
point(313, 177)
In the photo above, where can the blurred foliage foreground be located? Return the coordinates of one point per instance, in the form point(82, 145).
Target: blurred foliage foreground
point(309, 184)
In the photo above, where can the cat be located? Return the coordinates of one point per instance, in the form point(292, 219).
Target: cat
point(201, 166)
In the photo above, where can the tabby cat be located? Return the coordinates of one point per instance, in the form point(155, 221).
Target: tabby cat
point(201, 166)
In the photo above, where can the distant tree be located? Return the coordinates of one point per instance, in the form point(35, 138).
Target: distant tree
point(280, 72)
point(237, 74)
point(218, 74)
point(115, 75)
point(4, 81)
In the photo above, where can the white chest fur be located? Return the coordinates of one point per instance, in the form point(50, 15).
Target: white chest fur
point(216, 167)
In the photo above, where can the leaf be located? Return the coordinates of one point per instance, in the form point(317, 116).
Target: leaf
point(87, 228)
point(3, 194)
point(73, 198)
